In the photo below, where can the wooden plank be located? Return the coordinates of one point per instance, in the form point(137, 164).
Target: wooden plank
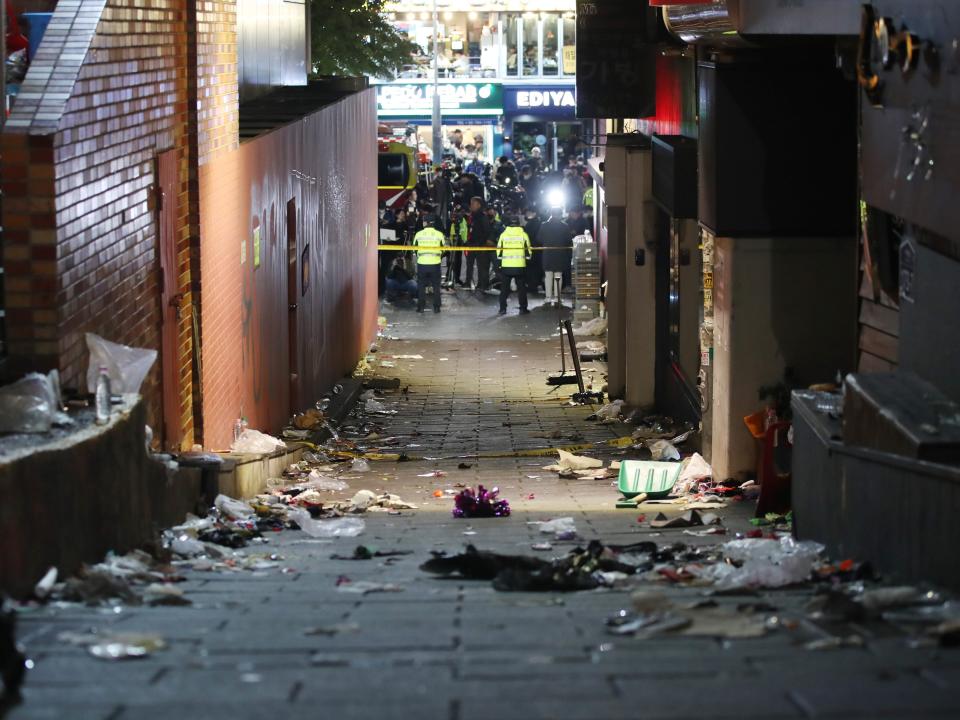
point(879, 343)
point(880, 318)
point(873, 364)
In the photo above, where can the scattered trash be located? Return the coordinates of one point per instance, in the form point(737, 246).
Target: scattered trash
point(695, 470)
point(581, 569)
point(542, 546)
point(43, 588)
point(164, 594)
point(359, 465)
point(435, 473)
point(596, 327)
point(482, 503)
point(662, 450)
point(365, 587)
point(464, 466)
point(115, 646)
point(362, 552)
point(330, 528)
point(256, 442)
point(233, 509)
point(32, 404)
point(833, 643)
point(764, 563)
point(610, 411)
point(562, 528)
point(569, 461)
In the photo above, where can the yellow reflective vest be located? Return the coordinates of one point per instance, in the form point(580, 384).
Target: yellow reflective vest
point(428, 242)
point(513, 247)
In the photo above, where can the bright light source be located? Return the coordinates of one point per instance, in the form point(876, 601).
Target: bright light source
point(424, 16)
point(472, 15)
point(555, 198)
point(448, 15)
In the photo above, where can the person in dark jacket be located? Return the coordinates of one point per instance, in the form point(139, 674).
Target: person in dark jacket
point(399, 280)
point(531, 225)
point(480, 236)
point(554, 235)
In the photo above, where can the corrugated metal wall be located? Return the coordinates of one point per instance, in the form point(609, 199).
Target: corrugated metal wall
point(272, 45)
point(327, 165)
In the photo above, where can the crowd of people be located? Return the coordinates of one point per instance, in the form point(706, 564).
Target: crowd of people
point(476, 205)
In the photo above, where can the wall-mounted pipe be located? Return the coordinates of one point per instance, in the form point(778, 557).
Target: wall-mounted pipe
point(712, 23)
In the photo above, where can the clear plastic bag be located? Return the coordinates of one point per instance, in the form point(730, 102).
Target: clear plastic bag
point(256, 442)
point(332, 528)
point(126, 366)
point(32, 404)
point(765, 563)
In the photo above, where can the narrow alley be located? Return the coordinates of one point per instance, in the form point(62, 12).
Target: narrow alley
point(290, 635)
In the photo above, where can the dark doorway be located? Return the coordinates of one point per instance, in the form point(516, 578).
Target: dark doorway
point(293, 278)
point(675, 394)
point(170, 296)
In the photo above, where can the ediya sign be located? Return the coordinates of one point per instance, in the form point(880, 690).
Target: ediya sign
point(546, 98)
point(416, 99)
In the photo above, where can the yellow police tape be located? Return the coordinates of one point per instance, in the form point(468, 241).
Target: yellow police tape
point(470, 248)
point(619, 442)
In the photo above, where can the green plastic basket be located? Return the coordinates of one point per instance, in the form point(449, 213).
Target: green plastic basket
point(656, 479)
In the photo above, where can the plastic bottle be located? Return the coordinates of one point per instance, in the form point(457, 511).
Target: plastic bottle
point(237, 429)
point(102, 397)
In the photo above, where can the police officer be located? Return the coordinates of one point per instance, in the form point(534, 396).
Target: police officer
point(513, 251)
point(428, 243)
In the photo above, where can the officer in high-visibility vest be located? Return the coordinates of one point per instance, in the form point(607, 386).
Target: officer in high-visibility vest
point(429, 246)
point(513, 251)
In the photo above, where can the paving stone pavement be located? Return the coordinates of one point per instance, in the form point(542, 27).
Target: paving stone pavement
point(454, 649)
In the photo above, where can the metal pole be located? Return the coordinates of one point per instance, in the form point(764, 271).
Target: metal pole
point(555, 163)
point(437, 131)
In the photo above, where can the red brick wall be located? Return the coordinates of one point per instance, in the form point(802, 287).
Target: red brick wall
point(245, 357)
point(218, 96)
point(29, 253)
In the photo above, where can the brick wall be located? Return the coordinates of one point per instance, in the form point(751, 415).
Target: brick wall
point(29, 253)
point(105, 94)
point(217, 92)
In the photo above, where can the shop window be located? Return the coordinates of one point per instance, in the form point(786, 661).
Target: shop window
point(531, 45)
point(513, 27)
point(568, 39)
point(551, 45)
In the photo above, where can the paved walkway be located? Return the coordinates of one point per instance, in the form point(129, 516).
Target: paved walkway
point(454, 649)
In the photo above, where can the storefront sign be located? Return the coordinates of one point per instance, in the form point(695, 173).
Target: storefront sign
point(416, 99)
point(544, 100)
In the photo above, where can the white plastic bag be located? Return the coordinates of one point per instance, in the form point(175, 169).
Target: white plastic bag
point(596, 327)
point(333, 528)
point(765, 563)
point(569, 461)
point(695, 469)
point(254, 441)
point(32, 404)
point(558, 526)
point(611, 410)
point(662, 450)
point(232, 508)
point(126, 366)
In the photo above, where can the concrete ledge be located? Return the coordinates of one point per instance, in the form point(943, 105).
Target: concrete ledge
point(68, 501)
point(243, 476)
